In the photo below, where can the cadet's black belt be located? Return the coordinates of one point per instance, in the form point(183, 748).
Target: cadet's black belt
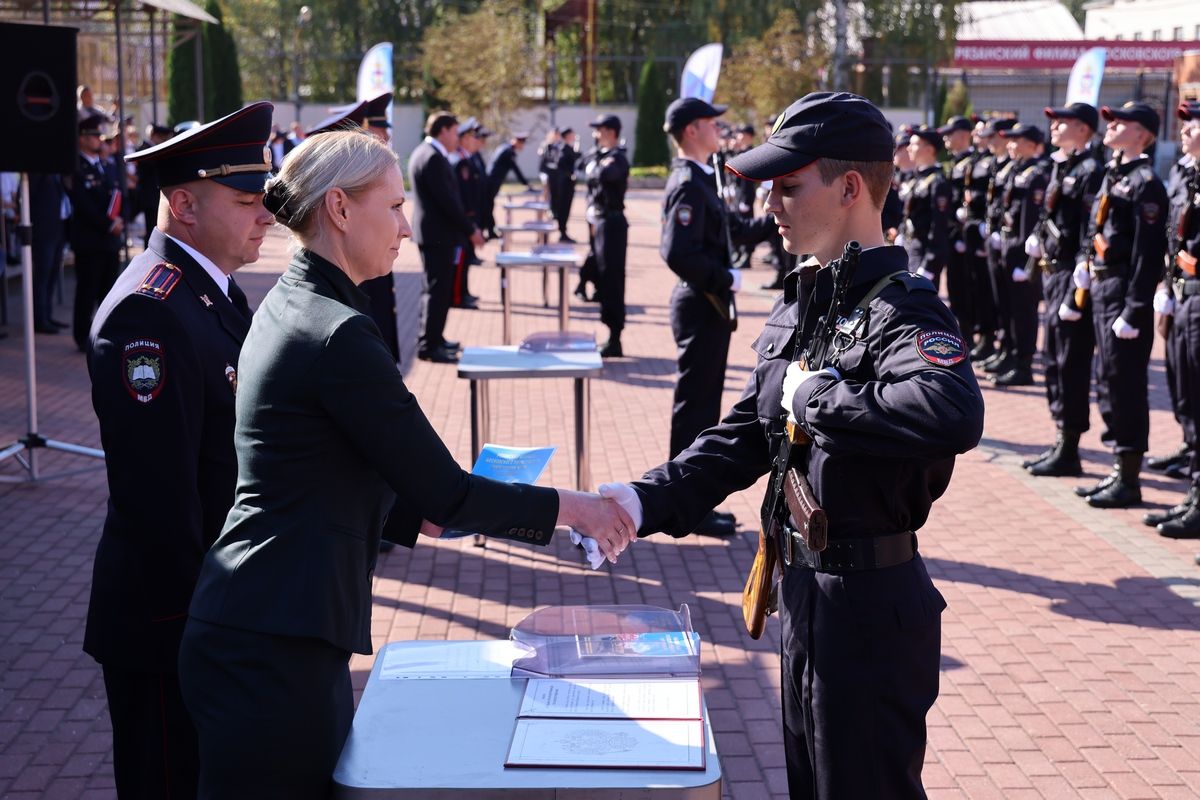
point(1100, 273)
point(853, 555)
point(1187, 287)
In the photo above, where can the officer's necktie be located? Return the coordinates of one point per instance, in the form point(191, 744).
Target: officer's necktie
point(238, 298)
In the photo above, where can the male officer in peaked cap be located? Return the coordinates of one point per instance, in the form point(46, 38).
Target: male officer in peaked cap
point(349, 118)
point(696, 239)
point(860, 618)
point(376, 117)
point(163, 358)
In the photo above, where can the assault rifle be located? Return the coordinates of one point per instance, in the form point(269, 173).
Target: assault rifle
point(789, 492)
point(1098, 245)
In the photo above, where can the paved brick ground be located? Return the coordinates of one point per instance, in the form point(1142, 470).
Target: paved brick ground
point(1071, 663)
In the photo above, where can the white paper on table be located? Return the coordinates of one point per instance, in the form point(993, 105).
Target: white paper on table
point(608, 744)
point(450, 660)
point(659, 698)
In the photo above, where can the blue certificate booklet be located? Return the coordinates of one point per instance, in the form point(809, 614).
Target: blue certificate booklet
point(507, 465)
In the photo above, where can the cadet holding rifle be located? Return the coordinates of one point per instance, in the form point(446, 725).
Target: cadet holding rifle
point(884, 393)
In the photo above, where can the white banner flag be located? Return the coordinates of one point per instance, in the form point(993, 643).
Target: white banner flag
point(1084, 84)
point(701, 72)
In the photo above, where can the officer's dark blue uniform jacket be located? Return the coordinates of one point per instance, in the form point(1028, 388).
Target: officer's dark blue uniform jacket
point(327, 437)
point(886, 431)
point(1069, 200)
point(162, 362)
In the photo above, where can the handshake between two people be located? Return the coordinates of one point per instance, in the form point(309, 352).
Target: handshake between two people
point(610, 518)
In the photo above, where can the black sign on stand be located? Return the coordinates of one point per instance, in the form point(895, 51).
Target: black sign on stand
point(37, 95)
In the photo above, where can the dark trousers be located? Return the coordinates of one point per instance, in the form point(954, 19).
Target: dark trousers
point(1001, 279)
point(958, 287)
point(983, 301)
point(462, 266)
point(95, 273)
point(436, 290)
point(611, 240)
point(154, 742)
point(1179, 378)
point(1067, 349)
point(562, 195)
point(382, 293)
point(702, 343)
point(272, 712)
point(47, 253)
point(1185, 328)
point(1121, 369)
point(860, 659)
point(1023, 299)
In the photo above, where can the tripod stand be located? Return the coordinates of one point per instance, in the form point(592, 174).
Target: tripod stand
point(25, 449)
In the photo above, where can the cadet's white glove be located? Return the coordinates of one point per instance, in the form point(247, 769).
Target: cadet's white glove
point(960, 246)
point(743, 208)
point(624, 494)
point(1068, 314)
point(1019, 275)
point(736, 286)
point(995, 241)
point(960, 214)
point(1164, 303)
point(927, 275)
point(1123, 329)
point(1082, 276)
point(1033, 248)
point(791, 382)
point(983, 229)
point(591, 548)
point(899, 242)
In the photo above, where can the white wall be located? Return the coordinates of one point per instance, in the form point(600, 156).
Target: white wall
point(1142, 19)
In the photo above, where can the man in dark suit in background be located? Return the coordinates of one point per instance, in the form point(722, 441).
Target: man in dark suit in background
point(97, 228)
point(49, 210)
point(440, 228)
point(163, 361)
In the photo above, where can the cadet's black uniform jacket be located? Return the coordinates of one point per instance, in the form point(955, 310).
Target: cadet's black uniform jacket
point(928, 214)
point(327, 436)
point(1069, 200)
point(164, 348)
point(886, 431)
point(504, 160)
point(1023, 203)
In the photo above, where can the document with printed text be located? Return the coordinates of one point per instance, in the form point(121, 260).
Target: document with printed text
point(608, 744)
point(661, 698)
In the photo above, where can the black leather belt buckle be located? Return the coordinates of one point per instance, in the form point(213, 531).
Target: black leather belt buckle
point(853, 555)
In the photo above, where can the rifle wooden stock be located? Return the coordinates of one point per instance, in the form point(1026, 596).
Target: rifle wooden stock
point(758, 586)
point(1186, 263)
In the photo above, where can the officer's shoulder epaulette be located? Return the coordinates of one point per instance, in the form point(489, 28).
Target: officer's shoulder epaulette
point(160, 281)
point(682, 173)
point(914, 282)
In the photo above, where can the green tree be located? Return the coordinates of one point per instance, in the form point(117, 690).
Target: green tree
point(222, 78)
point(181, 72)
point(650, 143)
point(958, 102)
point(764, 75)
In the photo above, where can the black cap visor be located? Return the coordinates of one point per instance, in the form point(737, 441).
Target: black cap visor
point(768, 161)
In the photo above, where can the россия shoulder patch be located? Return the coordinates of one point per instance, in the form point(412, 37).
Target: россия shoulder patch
point(942, 348)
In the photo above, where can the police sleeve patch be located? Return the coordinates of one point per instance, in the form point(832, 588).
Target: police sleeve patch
point(942, 348)
point(683, 214)
point(1037, 197)
point(160, 281)
point(143, 369)
point(1150, 213)
point(943, 202)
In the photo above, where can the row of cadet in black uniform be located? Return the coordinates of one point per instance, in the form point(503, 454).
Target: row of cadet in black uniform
point(1088, 236)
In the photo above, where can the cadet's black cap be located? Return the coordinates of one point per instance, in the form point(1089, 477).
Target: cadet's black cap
point(684, 111)
point(1023, 131)
point(903, 134)
point(746, 129)
point(1140, 113)
point(611, 121)
point(162, 130)
point(836, 125)
point(930, 136)
point(1188, 109)
point(1086, 114)
point(230, 150)
point(348, 118)
point(997, 124)
point(956, 124)
point(376, 116)
point(91, 126)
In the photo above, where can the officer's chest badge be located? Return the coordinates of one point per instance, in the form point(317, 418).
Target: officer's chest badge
point(143, 369)
point(941, 348)
point(231, 376)
point(204, 299)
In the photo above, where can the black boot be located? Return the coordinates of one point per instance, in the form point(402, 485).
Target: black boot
point(999, 364)
point(612, 348)
point(1049, 452)
point(1156, 518)
point(1126, 490)
point(1185, 526)
point(982, 351)
point(1017, 376)
point(1105, 482)
point(1065, 461)
point(1179, 457)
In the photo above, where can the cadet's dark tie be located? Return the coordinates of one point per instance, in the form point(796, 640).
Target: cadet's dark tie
point(238, 298)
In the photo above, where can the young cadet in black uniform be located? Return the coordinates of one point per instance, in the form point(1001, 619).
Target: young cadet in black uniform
point(504, 161)
point(1129, 250)
point(562, 192)
point(607, 173)
point(1023, 203)
point(97, 228)
point(976, 204)
point(472, 187)
point(1183, 520)
point(927, 212)
point(696, 238)
point(163, 362)
point(956, 136)
point(860, 620)
point(998, 277)
point(1068, 339)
